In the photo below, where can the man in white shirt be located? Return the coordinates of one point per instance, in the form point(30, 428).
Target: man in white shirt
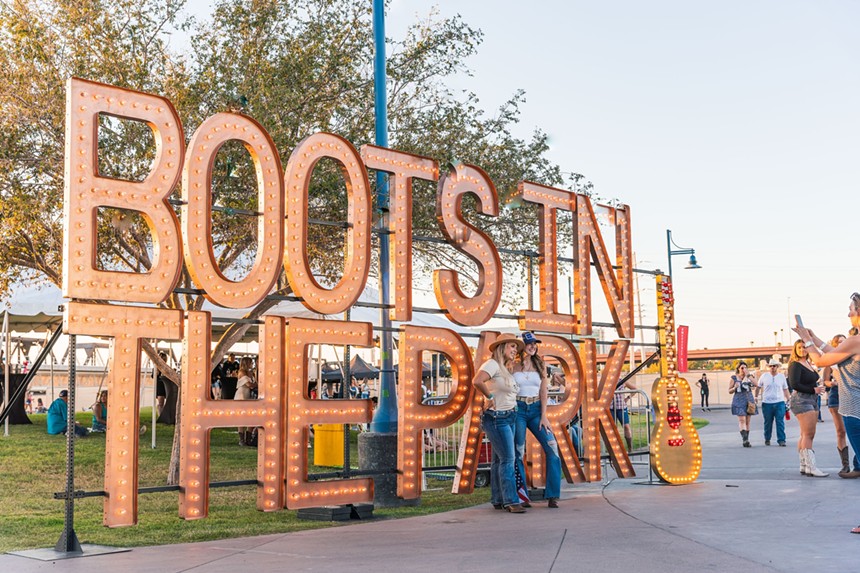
point(774, 395)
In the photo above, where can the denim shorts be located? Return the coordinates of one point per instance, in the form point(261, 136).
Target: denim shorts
point(833, 397)
point(802, 402)
point(622, 415)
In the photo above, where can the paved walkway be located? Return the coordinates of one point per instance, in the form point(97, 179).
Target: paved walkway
point(750, 511)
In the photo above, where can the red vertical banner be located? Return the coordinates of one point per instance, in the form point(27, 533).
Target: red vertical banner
point(683, 334)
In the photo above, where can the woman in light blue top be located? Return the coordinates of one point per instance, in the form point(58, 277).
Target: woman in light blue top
point(530, 374)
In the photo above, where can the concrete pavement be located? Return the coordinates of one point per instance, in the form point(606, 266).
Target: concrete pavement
point(750, 510)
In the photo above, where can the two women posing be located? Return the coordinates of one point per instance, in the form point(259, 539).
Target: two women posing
point(515, 384)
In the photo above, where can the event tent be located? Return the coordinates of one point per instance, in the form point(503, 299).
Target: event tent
point(33, 309)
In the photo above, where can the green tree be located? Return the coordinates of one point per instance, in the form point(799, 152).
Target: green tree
point(296, 66)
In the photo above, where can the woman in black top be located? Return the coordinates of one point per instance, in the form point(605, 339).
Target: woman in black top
point(704, 387)
point(803, 380)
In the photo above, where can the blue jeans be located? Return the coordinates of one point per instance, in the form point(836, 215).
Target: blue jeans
point(499, 427)
point(852, 430)
point(576, 438)
point(770, 412)
point(528, 416)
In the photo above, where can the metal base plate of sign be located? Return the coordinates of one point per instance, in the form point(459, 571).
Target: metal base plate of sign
point(51, 554)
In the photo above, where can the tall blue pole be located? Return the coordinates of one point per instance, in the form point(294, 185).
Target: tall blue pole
point(385, 416)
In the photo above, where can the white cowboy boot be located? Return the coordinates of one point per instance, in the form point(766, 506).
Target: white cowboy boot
point(810, 466)
point(803, 465)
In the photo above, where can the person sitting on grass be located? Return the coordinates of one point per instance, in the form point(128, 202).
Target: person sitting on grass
point(58, 417)
point(100, 413)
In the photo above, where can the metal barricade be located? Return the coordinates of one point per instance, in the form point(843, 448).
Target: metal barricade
point(442, 446)
point(641, 416)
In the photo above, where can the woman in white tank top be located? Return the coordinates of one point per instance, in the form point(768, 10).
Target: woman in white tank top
point(531, 376)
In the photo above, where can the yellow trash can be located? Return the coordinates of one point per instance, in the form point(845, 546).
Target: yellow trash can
point(328, 445)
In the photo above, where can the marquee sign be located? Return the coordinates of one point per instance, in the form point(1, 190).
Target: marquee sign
point(284, 410)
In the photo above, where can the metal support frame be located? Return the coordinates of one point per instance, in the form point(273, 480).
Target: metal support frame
point(68, 542)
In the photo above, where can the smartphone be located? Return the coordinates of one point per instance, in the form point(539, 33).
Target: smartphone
point(798, 320)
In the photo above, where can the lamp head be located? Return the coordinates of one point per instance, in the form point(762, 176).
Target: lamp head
point(693, 264)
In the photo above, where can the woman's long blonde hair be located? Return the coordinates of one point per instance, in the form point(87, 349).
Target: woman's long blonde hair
point(246, 365)
point(499, 357)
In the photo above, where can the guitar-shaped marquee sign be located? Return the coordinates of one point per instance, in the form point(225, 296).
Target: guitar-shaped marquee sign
point(676, 451)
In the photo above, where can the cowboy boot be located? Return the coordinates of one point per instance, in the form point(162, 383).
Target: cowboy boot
point(743, 438)
point(843, 456)
point(803, 464)
point(629, 441)
point(746, 436)
point(811, 469)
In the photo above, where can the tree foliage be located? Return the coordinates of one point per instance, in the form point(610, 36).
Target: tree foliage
point(296, 66)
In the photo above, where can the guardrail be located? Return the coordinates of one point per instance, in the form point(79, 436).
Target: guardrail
point(441, 446)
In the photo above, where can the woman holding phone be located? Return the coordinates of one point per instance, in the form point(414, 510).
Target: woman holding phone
point(845, 360)
point(803, 380)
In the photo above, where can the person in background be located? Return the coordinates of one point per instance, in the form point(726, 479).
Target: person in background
point(496, 384)
point(215, 377)
point(774, 396)
point(161, 382)
point(58, 417)
point(229, 377)
point(100, 412)
point(621, 413)
point(40, 406)
point(530, 374)
point(704, 389)
point(742, 385)
point(828, 375)
point(245, 386)
point(803, 379)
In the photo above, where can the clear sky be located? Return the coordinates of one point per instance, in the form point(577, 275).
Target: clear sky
point(736, 124)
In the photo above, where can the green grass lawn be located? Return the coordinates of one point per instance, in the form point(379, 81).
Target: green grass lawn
point(33, 466)
point(638, 425)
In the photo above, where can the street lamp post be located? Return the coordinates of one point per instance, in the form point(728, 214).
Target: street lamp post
point(692, 264)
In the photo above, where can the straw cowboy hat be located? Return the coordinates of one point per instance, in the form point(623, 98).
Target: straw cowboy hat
point(504, 339)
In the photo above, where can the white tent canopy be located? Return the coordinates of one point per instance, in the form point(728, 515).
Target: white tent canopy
point(34, 308)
